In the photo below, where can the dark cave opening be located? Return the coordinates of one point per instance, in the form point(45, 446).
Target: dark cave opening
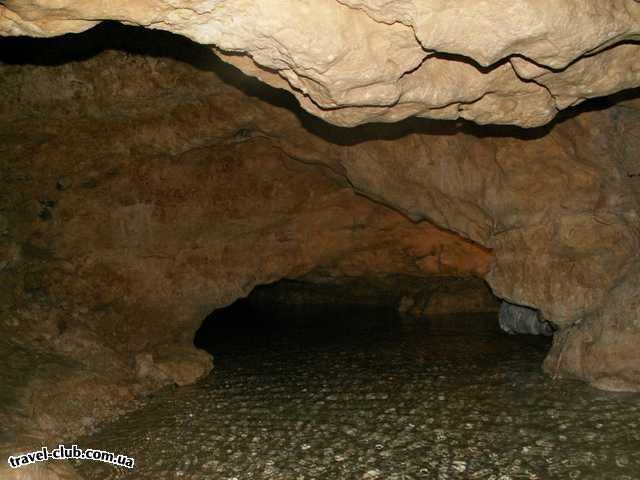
point(260, 322)
point(293, 321)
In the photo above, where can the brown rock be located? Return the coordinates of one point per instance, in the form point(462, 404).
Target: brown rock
point(137, 207)
point(602, 347)
point(168, 196)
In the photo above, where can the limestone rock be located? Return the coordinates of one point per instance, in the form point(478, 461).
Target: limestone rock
point(413, 295)
point(169, 193)
point(183, 366)
point(136, 208)
point(357, 61)
point(468, 299)
point(603, 347)
point(518, 319)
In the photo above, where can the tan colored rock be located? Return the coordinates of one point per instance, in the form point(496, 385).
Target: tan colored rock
point(470, 300)
point(357, 61)
point(549, 33)
point(595, 75)
point(153, 194)
point(182, 364)
point(449, 296)
point(554, 205)
point(416, 296)
point(603, 347)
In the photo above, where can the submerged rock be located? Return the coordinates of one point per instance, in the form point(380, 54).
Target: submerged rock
point(515, 319)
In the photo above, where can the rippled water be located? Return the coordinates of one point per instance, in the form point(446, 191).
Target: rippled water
point(365, 394)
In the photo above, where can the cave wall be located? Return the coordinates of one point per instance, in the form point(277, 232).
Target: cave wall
point(415, 296)
point(138, 186)
point(557, 205)
point(141, 193)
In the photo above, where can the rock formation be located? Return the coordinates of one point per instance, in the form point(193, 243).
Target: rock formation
point(148, 185)
point(357, 61)
point(514, 319)
point(142, 193)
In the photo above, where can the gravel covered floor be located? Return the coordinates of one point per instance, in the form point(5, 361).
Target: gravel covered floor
point(363, 394)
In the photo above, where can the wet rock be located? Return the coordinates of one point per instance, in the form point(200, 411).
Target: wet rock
point(354, 400)
point(516, 319)
point(183, 366)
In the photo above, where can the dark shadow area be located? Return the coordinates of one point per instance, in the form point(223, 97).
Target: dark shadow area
point(264, 327)
point(248, 327)
point(616, 98)
point(157, 43)
point(131, 40)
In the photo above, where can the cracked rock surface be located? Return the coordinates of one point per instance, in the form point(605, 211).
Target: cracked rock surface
point(357, 61)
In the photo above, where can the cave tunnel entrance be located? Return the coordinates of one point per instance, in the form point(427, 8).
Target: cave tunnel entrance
point(356, 322)
point(313, 378)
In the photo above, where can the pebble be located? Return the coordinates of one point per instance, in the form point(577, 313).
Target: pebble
point(363, 398)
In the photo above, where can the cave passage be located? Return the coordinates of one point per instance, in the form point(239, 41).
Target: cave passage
point(274, 321)
point(363, 392)
point(145, 177)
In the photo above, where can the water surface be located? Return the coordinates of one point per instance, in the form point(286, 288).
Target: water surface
point(365, 394)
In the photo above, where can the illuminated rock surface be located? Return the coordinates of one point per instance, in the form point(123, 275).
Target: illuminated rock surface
point(147, 185)
point(357, 61)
